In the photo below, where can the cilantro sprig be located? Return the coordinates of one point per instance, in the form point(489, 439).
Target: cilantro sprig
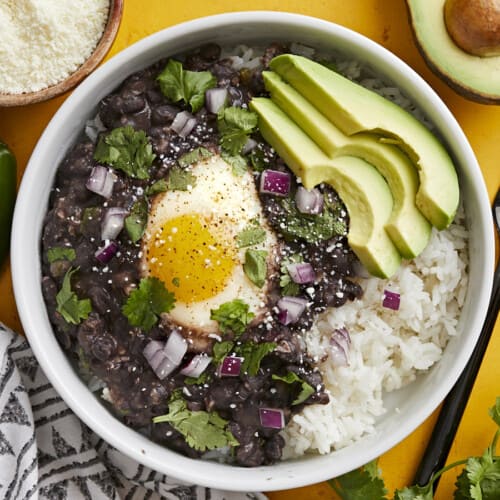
point(202, 430)
point(178, 84)
point(235, 125)
point(252, 234)
point(145, 304)
point(127, 150)
point(306, 389)
point(232, 316)
point(71, 308)
point(61, 253)
point(255, 266)
point(479, 479)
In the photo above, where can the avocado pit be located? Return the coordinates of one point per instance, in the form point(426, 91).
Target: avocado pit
point(474, 25)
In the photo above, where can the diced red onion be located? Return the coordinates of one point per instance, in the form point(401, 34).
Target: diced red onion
point(275, 182)
point(183, 123)
point(230, 366)
point(176, 347)
point(165, 358)
point(112, 222)
point(391, 300)
point(340, 342)
point(152, 348)
point(290, 309)
point(250, 145)
point(301, 272)
point(101, 181)
point(215, 99)
point(196, 366)
point(105, 253)
point(272, 418)
point(309, 201)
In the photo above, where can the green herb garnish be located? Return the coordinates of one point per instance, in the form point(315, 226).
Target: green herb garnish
point(311, 228)
point(178, 84)
point(61, 253)
point(252, 355)
point(259, 159)
point(194, 156)
point(235, 126)
point(255, 266)
point(288, 286)
point(221, 350)
point(180, 179)
point(202, 430)
point(202, 379)
point(232, 316)
point(135, 222)
point(160, 186)
point(479, 479)
point(71, 308)
point(292, 378)
point(252, 234)
point(238, 163)
point(360, 484)
point(145, 304)
point(127, 150)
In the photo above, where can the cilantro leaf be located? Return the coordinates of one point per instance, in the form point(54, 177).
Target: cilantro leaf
point(180, 179)
point(494, 412)
point(71, 308)
point(311, 228)
point(233, 316)
point(194, 156)
point(128, 150)
point(255, 266)
point(415, 493)
point(221, 350)
point(235, 125)
point(178, 84)
point(259, 159)
point(202, 379)
point(252, 355)
point(202, 430)
point(360, 484)
point(306, 389)
point(288, 286)
point(135, 222)
point(60, 253)
point(480, 479)
point(160, 186)
point(238, 163)
point(147, 302)
point(251, 234)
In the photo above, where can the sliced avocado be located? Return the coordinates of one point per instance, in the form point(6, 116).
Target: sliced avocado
point(353, 109)
point(474, 77)
point(363, 190)
point(407, 227)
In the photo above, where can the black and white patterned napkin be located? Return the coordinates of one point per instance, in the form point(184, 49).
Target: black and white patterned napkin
point(46, 452)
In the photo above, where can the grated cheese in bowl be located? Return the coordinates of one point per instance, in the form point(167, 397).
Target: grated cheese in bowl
point(44, 41)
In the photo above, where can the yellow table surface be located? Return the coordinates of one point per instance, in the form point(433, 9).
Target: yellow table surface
point(384, 21)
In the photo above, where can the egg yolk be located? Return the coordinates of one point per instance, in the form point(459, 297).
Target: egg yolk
point(189, 259)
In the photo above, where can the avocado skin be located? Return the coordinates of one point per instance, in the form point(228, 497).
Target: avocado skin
point(353, 109)
point(407, 227)
point(437, 54)
point(360, 186)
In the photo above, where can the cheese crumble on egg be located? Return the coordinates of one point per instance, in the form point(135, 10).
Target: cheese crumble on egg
point(190, 244)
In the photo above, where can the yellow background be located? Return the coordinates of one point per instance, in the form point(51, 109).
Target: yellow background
point(384, 21)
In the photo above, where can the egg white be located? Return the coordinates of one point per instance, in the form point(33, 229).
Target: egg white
point(218, 194)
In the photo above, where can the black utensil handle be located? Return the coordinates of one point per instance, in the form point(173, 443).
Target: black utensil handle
point(440, 442)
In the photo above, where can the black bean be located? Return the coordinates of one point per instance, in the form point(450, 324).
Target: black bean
point(250, 454)
point(164, 114)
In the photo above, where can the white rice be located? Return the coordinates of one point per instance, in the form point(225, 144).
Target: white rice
point(389, 348)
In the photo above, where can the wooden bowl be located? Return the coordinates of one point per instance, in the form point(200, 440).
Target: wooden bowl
point(102, 48)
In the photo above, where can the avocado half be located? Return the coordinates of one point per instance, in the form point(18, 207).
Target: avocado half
point(476, 78)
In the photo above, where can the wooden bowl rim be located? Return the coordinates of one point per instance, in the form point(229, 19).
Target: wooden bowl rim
point(102, 48)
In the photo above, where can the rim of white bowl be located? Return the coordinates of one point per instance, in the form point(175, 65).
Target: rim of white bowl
point(26, 270)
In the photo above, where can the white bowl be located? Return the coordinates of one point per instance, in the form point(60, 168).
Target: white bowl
point(414, 403)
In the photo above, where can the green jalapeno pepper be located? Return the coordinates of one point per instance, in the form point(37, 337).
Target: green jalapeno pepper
point(7, 197)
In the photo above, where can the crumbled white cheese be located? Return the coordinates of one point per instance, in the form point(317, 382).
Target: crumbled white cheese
point(44, 41)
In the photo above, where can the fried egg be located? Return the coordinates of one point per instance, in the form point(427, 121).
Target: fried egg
point(190, 244)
